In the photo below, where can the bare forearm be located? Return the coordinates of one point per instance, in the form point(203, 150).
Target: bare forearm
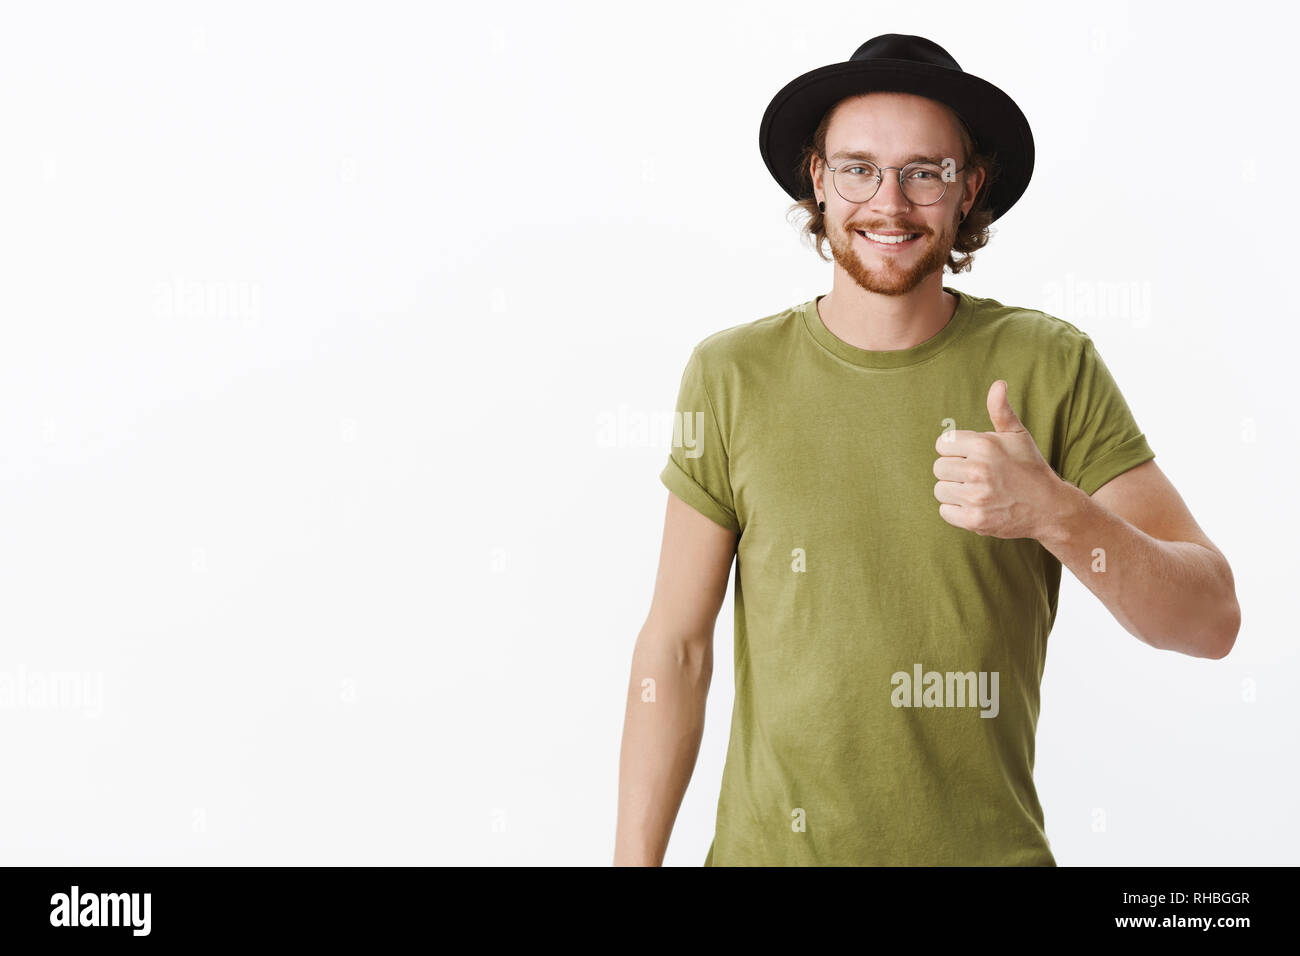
point(662, 729)
point(1173, 595)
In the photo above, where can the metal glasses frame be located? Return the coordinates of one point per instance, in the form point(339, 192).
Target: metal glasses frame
point(880, 178)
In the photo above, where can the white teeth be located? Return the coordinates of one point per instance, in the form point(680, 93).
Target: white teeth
point(892, 240)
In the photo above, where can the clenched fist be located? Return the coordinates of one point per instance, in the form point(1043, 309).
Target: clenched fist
point(995, 483)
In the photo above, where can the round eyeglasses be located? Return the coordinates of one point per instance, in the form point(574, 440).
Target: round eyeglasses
point(924, 184)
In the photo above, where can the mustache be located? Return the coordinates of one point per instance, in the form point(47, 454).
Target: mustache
point(878, 229)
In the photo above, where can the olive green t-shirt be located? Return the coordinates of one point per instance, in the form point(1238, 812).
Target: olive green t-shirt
point(887, 663)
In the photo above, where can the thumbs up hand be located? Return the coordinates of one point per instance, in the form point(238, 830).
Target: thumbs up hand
point(995, 483)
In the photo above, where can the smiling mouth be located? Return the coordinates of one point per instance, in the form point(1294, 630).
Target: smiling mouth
point(888, 239)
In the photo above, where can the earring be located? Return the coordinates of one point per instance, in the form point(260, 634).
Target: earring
point(821, 207)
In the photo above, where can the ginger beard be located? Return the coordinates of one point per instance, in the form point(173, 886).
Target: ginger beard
point(883, 271)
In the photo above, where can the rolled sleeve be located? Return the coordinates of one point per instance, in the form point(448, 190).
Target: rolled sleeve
point(1103, 437)
point(698, 468)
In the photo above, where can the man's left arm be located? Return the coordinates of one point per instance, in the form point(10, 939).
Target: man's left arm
point(1135, 545)
point(1132, 542)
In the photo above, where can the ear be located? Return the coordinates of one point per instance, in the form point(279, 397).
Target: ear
point(974, 180)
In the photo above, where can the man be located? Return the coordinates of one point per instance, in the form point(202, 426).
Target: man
point(900, 470)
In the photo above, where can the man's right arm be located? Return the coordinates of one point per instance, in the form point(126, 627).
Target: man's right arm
point(665, 719)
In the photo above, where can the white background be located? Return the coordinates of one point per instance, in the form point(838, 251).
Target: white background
point(314, 320)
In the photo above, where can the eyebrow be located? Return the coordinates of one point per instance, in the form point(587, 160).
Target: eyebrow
point(871, 157)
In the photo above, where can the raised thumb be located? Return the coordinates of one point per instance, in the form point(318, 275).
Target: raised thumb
point(1001, 414)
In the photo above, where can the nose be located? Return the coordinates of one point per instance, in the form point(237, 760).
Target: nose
point(889, 199)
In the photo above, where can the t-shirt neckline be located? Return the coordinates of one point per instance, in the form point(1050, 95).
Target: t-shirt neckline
point(893, 358)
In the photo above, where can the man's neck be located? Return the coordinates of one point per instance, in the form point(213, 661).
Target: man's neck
point(886, 323)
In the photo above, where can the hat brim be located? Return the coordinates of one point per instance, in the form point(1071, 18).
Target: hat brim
point(995, 120)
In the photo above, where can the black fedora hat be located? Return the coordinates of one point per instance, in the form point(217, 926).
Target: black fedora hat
point(895, 62)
